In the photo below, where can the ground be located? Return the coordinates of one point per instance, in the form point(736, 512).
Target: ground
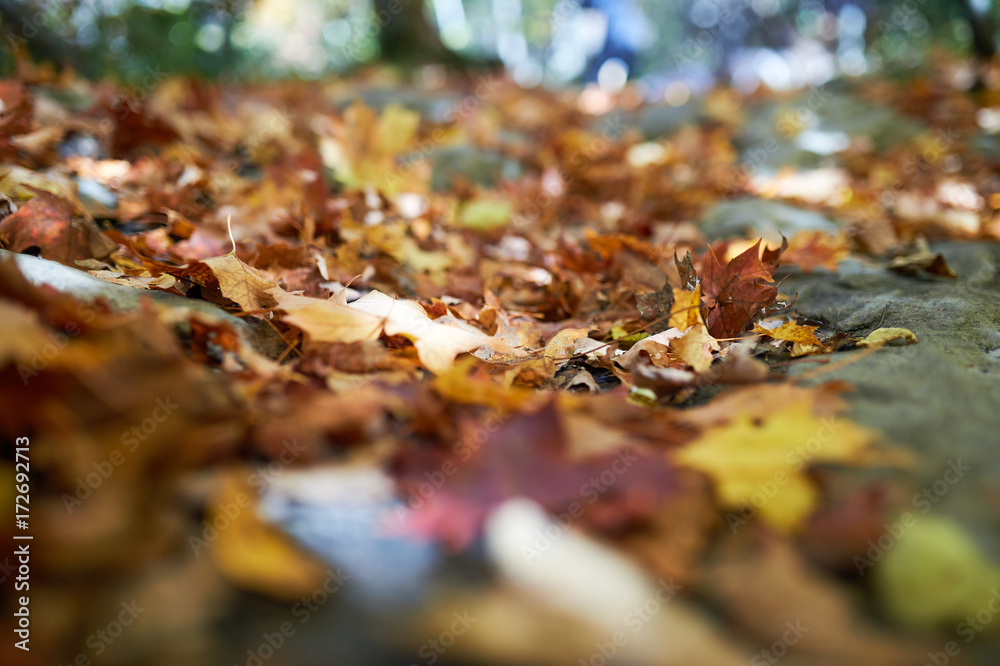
point(444, 371)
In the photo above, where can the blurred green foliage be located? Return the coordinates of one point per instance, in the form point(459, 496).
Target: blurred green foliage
point(310, 38)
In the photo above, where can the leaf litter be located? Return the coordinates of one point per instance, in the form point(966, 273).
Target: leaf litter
point(479, 346)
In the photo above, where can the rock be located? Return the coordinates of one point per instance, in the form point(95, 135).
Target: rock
point(938, 397)
point(431, 106)
point(90, 191)
point(482, 166)
point(85, 287)
point(660, 121)
point(761, 217)
point(654, 122)
point(803, 131)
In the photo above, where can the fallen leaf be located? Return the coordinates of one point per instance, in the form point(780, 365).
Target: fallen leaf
point(883, 336)
point(921, 258)
point(816, 249)
point(438, 341)
point(242, 284)
point(485, 213)
point(15, 115)
point(251, 553)
point(737, 293)
point(326, 320)
point(47, 223)
point(695, 348)
point(749, 459)
point(768, 588)
point(791, 332)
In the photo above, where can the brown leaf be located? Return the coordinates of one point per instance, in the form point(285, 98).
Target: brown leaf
point(241, 283)
point(740, 291)
point(47, 223)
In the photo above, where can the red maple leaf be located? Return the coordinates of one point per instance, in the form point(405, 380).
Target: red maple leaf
point(452, 493)
point(737, 293)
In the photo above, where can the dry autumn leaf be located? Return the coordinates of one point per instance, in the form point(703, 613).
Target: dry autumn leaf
point(47, 223)
point(738, 292)
point(438, 341)
point(252, 553)
point(883, 336)
point(760, 463)
point(791, 332)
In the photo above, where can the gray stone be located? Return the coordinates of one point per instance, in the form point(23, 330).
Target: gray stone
point(761, 217)
point(431, 106)
point(939, 398)
point(86, 287)
point(90, 191)
point(482, 166)
point(805, 130)
point(660, 121)
point(654, 122)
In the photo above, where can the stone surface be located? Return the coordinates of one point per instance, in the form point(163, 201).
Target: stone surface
point(805, 130)
point(482, 166)
point(940, 398)
point(761, 217)
point(85, 287)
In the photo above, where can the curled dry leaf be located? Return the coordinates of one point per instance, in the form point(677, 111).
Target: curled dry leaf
point(437, 341)
point(883, 336)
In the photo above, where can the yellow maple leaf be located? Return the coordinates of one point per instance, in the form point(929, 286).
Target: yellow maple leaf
point(326, 320)
point(252, 553)
point(761, 465)
point(239, 282)
point(791, 332)
point(686, 311)
point(883, 336)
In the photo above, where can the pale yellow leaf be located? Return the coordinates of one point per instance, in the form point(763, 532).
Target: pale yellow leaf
point(241, 284)
point(883, 336)
point(762, 464)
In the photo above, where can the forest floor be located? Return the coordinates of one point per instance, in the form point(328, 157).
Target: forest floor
point(375, 371)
